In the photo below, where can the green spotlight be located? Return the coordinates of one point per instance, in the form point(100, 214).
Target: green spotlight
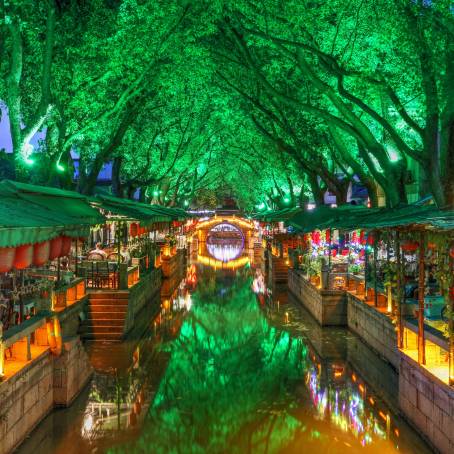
point(60, 167)
point(29, 161)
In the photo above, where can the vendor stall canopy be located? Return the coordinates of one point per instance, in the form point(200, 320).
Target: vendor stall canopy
point(131, 210)
point(32, 214)
point(349, 217)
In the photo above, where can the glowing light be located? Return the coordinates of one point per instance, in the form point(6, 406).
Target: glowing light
point(393, 155)
point(186, 203)
point(60, 167)
point(261, 206)
point(29, 161)
point(155, 193)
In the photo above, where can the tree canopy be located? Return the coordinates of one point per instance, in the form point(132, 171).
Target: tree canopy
point(271, 102)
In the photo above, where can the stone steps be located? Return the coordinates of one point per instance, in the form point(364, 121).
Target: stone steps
point(106, 316)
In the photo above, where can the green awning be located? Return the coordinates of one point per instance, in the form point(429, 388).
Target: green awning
point(325, 217)
point(349, 217)
point(30, 214)
point(26, 223)
point(61, 203)
point(130, 210)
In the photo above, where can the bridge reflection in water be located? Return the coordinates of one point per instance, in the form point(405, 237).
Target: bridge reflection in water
point(238, 376)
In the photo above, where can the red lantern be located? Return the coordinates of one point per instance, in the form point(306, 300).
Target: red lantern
point(41, 253)
point(6, 258)
point(55, 247)
point(431, 246)
point(370, 239)
point(334, 253)
point(344, 252)
point(410, 246)
point(362, 238)
point(451, 292)
point(328, 236)
point(133, 230)
point(24, 256)
point(65, 246)
point(355, 237)
point(451, 252)
point(361, 253)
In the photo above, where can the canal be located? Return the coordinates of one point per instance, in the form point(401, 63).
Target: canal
point(215, 369)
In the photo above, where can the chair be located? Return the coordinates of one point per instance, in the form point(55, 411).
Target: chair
point(95, 256)
point(104, 276)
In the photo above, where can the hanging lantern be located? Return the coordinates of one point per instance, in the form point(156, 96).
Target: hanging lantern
point(355, 237)
point(361, 253)
point(344, 252)
point(41, 253)
point(6, 258)
point(133, 229)
point(66, 246)
point(328, 236)
point(410, 246)
point(431, 246)
point(55, 247)
point(334, 253)
point(370, 239)
point(451, 252)
point(24, 256)
point(362, 238)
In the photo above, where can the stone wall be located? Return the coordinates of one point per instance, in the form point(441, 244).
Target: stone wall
point(374, 328)
point(47, 381)
point(427, 403)
point(329, 307)
point(72, 370)
point(69, 318)
point(25, 399)
point(140, 294)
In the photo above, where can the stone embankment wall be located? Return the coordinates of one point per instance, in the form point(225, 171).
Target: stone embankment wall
point(427, 403)
point(374, 328)
point(29, 395)
point(140, 294)
point(329, 307)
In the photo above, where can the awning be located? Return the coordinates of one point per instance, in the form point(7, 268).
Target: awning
point(325, 217)
point(349, 217)
point(130, 210)
point(31, 214)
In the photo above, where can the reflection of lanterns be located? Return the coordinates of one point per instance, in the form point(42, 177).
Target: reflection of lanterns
point(132, 418)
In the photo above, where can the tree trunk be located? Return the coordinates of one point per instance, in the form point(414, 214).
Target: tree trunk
point(117, 189)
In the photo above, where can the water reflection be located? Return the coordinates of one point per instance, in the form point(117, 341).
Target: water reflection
point(219, 371)
point(225, 242)
point(240, 381)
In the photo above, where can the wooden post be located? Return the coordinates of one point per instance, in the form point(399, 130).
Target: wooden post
point(366, 265)
point(29, 352)
point(421, 291)
point(58, 270)
point(400, 292)
point(375, 270)
point(2, 352)
point(77, 255)
point(451, 321)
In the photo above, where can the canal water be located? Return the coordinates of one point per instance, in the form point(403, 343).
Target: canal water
point(218, 369)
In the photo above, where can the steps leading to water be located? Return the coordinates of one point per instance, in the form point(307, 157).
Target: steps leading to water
point(106, 316)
